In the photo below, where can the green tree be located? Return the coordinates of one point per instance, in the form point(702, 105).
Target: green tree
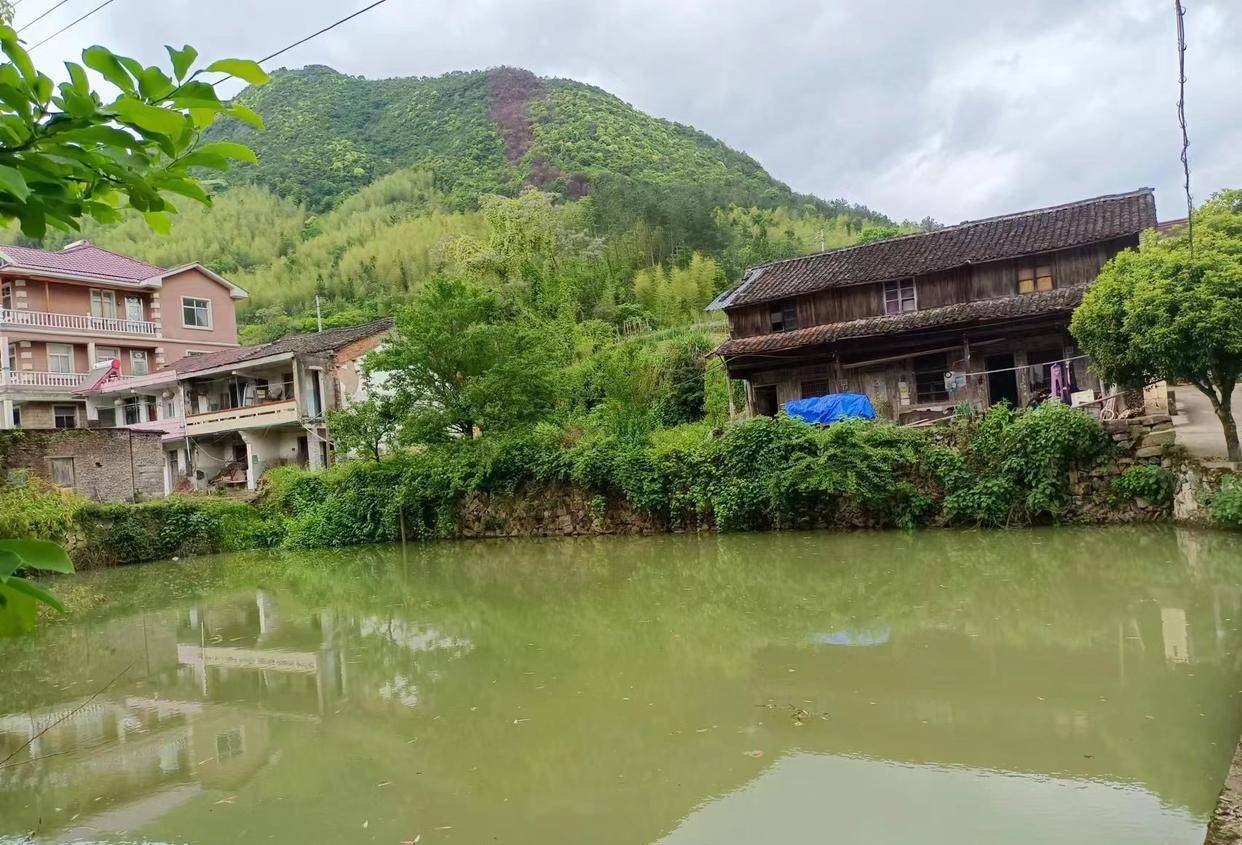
point(1164, 311)
point(871, 234)
point(370, 425)
point(463, 359)
point(66, 153)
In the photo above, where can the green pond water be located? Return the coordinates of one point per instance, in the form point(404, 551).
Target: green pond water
point(1057, 685)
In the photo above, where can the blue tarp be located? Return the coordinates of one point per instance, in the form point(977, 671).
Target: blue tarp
point(831, 408)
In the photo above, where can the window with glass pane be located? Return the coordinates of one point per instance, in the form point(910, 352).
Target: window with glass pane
point(65, 416)
point(103, 303)
point(138, 362)
point(103, 354)
point(130, 412)
point(196, 313)
point(1034, 277)
point(133, 308)
point(107, 417)
point(62, 472)
point(784, 316)
point(6, 295)
point(899, 297)
point(929, 379)
point(59, 358)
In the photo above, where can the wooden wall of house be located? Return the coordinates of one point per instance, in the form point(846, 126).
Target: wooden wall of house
point(1070, 268)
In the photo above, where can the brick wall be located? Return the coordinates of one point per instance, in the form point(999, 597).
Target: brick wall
point(108, 464)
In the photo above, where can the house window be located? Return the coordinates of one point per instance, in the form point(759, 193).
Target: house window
point(59, 358)
point(12, 357)
point(1034, 277)
point(899, 297)
point(784, 316)
point(62, 472)
point(107, 417)
point(17, 417)
point(130, 411)
point(105, 354)
point(817, 387)
point(929, 373)
point(65, 416)
point(138, 362)
point(103, 303)
point(6, 295)
point(195, 313)
point(133, 308)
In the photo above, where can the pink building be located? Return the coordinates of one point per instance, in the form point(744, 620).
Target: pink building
point(63, 312)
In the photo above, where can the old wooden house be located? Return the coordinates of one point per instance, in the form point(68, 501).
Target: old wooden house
point(976, 312)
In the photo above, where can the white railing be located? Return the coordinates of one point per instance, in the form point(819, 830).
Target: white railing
point(31, 378)
point(74, 322)
point(253, 416)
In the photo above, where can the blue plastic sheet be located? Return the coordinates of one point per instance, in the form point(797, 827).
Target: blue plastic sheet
point(831, 408)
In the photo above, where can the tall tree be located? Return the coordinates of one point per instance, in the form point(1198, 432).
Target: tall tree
point(1164, 311)
point(464, 359)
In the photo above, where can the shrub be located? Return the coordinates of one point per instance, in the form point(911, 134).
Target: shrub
point(174, 527)
point(32, 508)
point(1145, 481)
point(1225, 506)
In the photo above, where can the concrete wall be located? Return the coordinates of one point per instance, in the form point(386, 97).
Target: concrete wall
point(109, 464)
point(177, 336)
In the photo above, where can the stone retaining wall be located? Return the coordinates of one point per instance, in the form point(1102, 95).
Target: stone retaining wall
point(108, 464)
point(551, 511)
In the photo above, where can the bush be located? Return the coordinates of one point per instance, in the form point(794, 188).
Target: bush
point(1225, 506)
point(172, 527)
point(1145, 481)
point(31, 508)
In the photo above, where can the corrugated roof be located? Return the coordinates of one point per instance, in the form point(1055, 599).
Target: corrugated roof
point(973, 242)
point(82, 258)
point(326, 341)
point(962, 313)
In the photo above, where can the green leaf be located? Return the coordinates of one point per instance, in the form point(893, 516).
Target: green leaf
point(106, 63)
point(10, 562)
point(39, 554)
point(244, 69)
point(78, 78)
point(11, 180)
point(181, 60)
point(17, 612)
point(247, 114)
point(151, 118)
point(21, 59)
point(229, 149)
point(30, 588)
point(159, 221)
point(154, 84)
point(186, 188)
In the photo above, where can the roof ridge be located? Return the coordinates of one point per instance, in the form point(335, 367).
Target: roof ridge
point(955, 226)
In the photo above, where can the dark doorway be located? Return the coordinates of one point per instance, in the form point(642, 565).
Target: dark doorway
point(765, 401)
point(303, 451)
point(1002, 385)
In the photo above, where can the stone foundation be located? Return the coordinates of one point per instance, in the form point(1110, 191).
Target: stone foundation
point(108, 464)
point(558, 510)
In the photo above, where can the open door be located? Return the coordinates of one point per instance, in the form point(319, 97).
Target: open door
point(1003, 384)
point(765, 401)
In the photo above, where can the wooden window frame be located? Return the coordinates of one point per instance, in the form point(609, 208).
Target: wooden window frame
point(61, 346)
point(783, 316)
point(807, 387)
point(939, 393)
point(57, 416)
point(98, 299)
point(895, 293)
point(1035, 277)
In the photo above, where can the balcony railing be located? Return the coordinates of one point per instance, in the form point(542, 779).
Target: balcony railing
point(261, 415)
point(31, 378)
point(75, 322)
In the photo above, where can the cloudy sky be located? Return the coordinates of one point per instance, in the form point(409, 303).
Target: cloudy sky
point(951, 109)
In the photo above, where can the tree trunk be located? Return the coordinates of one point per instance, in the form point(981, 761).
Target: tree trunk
point(1224, 412)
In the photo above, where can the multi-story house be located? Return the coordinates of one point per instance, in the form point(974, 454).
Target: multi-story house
point(64, 312)
point(974, 313)
point(228, 416)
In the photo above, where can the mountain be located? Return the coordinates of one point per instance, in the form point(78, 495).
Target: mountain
point(364, 188)
point(480, 132)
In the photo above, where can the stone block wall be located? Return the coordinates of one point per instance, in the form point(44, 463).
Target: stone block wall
point(551, 511)
point(109, 464)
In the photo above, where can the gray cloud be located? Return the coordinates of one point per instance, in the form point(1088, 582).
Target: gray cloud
point(954, 110)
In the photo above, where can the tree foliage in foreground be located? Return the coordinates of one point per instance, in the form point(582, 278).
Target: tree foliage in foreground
point(67, 153)
point(1165, 312)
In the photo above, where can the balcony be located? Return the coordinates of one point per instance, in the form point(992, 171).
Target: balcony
point(261, 415)
point(41, 382)
point(74, 323)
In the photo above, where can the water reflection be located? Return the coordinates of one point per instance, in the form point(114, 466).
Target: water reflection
point(1033, 686)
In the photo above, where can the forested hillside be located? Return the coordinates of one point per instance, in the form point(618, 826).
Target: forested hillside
point(365, 189)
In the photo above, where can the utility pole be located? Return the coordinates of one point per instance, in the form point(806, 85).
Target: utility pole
point(1181, 119)
point(318, 313)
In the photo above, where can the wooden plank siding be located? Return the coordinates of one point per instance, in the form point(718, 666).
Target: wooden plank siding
point(1070, 268)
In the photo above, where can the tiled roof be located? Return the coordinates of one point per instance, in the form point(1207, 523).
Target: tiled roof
point(84, 259)
point(963, 313)
point(326, 341)
point(973, 242)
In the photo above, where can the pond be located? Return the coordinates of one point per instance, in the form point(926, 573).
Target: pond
point(1055, 685)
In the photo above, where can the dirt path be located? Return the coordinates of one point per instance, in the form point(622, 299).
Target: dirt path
point(1196, 424)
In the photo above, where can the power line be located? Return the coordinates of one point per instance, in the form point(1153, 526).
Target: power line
point(1181, 119)
point(42, 16)
point(322, 31)
point(71, 25)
